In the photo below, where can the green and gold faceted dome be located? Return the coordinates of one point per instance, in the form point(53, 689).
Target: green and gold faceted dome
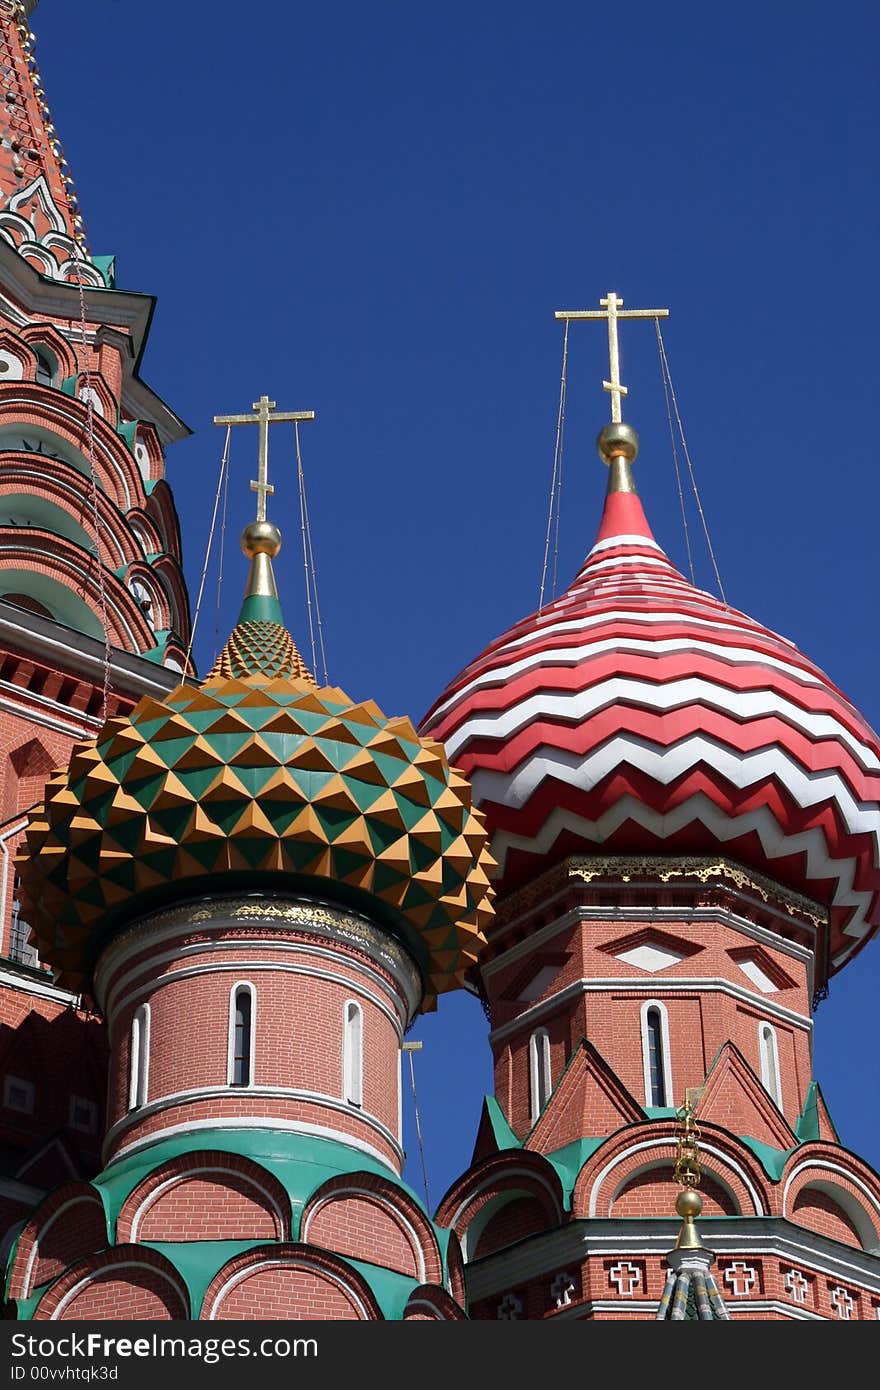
point(258, 779)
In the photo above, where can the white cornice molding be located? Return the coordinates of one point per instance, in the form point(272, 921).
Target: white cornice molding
point(746, 1236)
point(67, 650)
point(651, 987)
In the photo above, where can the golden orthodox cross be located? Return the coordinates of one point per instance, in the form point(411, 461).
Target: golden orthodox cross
point(612, 309)
point(261, 485)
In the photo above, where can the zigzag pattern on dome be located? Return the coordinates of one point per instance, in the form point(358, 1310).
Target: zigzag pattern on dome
point(637, 711)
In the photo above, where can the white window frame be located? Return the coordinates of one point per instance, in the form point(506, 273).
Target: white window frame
point(668, 1090)
point(139, 1057)
point(353, 1053)
point(230, 1054)
point(771, 1077)
point(540, 1075)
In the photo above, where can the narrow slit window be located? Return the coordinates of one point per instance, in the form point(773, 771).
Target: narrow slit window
point(657, 1091)
point(241, 1028)
point(770, 1062)
point(539, 1072)
point(139, 1057)
point(353, 1055)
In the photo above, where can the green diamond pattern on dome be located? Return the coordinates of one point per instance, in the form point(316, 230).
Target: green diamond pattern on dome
point(257, 775)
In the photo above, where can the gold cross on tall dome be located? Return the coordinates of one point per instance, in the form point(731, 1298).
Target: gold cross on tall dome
point(612, 309)
point(261, 486)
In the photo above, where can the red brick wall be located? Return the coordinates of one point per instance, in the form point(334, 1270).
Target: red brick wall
point(363, 1229)
point(819, 1212)
point(220, 1207)
point(287, 1294)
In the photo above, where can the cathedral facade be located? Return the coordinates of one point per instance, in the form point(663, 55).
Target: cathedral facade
point(641, 827)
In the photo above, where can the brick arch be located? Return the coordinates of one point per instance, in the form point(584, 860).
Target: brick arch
point(10, 342)
point(206, 1195)
point(366, 1217)
point(128, 1283)
point(69, 490)
point(176, 594)
point(638, 1148)
point(428, 1303)
point(73, 568)
point(510, 1217)
point(455, 1270)
point(829, 1191)
point(68, 1226)
point(95, 381)
point(491, 1184)
point(650, 1191)
point(44, 335)
point(293, 1282)
point(116, 471)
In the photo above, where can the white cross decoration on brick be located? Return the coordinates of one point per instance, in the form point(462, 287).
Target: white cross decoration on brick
point(510, 1308)
point(797, 1285)
point(842, 1304)
point(626, 1276)
point(741, 1277)
point(562, 1289)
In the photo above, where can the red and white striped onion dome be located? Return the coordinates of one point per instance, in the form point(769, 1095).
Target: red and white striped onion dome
point(639, 714)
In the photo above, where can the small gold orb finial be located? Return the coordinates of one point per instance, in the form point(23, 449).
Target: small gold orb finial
point(261, 538)
point(617, 441)
point(689, 1204)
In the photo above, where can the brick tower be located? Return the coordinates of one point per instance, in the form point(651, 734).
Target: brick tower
point(93, 608)
point(259, 883)
point(686, 818)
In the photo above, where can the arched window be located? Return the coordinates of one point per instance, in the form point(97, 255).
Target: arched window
point(655, 1055)
point(47, 367)
point(539, 1072)
point(770, 1062)
point(353, 1054)
point(139, 1057)
point(242, 1007)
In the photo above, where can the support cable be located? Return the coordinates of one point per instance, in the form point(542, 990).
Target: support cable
point(684, 520)
point(410, 1048)
point(224, 466)
point(665, 366)
point(220, 558)
point(555, 480)
point(311, 577)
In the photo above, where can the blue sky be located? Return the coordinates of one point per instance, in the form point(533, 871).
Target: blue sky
point(372, 211)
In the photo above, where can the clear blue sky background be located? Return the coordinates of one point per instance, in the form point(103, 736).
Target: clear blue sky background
point(373, 211)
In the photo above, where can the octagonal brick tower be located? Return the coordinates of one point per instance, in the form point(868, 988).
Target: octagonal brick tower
point(259, 882)
point(685, 812)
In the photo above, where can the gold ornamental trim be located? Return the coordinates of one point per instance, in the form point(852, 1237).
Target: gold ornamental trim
point(639, 868)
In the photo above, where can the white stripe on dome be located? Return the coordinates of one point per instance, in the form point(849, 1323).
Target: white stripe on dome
point(666, 765)
point(633, 646)
point(613, 542)
point(742, 705)
point(722, 827)
point(630, 615)
point(619, 561)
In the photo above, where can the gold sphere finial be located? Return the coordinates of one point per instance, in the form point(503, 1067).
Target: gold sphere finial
point(689, 1203)
point(261, 538)
point(617, 441)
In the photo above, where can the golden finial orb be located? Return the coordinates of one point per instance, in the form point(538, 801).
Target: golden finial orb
point(261, 538)
point(617, 441)
point(689, 1204)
